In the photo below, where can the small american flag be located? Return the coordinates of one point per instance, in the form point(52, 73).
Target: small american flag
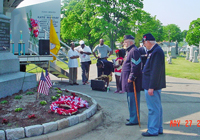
point(48, 80)
point(43, 87)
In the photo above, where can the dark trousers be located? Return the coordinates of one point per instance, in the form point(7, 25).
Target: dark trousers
point(85, 71)
point(99, 70)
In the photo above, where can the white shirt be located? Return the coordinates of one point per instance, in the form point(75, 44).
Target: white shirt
point(84, 57)
point(72, 63)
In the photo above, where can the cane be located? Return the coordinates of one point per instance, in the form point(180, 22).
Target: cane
point(138, 116)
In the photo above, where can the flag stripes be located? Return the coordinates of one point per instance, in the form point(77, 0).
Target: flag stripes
point(48, 80)
point(43, 87)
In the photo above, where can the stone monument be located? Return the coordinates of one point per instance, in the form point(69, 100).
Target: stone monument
point(192, 49)
point(187, 55)
point(177, 48)
point(11, 79)
point(173, 52)
point(195, 60)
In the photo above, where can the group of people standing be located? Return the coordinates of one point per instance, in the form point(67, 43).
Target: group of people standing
point(144, 66)
point(83, 52)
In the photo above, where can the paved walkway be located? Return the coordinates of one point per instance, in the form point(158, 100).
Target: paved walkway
point(180, 101)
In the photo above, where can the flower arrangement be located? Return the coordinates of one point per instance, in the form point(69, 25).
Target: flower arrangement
point(31, 116)
point(5, 121)
point(116, 51)
point(33, 28)
point(73, 102)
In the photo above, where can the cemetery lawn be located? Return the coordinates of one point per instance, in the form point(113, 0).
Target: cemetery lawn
point(182, 68)
point(179, 68)
point(32, 68)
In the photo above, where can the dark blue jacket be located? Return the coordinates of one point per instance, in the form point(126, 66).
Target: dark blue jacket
point(153, 74)
point(131, 69)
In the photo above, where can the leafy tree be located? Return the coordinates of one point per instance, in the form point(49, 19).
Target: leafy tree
point(193, 34)
point(112, 16)
point(144, 23)
point(172, 33)
point(184, 34)
point(75, 24)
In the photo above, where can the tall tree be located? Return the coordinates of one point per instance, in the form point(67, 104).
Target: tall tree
point(144, 23)
point(172, 33)
point(193, 34)
point(184, 33)
point(113, 16)
point(75, 24)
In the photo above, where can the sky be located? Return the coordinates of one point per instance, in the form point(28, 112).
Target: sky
point(179, 12)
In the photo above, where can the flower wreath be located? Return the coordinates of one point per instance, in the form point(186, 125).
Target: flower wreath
point(73, 102)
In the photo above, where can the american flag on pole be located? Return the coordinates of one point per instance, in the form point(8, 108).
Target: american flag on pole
point(43, 87)
point(48, 80)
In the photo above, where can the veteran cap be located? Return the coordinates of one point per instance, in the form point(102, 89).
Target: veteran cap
point(81, 42)
point(148, 37)
point(128, 37)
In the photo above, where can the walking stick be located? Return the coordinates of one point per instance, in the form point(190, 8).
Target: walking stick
point(138, 116)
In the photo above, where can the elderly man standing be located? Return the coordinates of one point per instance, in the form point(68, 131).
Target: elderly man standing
point(102, 53)
point(73, 64)
point(131, 71)
point(153, 80)
point(84, 55)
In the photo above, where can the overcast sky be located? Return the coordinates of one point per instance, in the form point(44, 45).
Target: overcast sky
point(179, 12)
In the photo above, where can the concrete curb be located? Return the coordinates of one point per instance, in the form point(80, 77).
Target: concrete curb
point(73, 131)
point(48, 128)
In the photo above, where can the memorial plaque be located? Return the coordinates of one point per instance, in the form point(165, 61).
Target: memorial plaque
point(4, 35)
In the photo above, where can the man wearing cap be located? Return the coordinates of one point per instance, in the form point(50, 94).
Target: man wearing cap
point(131, 71)
point(153, 80)
point(84, 55)
point(143, 51)
point(102, 53)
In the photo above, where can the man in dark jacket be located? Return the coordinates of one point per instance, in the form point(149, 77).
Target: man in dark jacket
point(153, 80)
point(107, 69)
point(131, 71)
point(143, 51)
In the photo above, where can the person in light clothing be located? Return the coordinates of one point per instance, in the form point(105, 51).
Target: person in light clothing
point(102, 53)
point(73, 64)
point(84, 55)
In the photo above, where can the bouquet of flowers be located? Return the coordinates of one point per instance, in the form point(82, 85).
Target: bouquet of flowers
point(33, 28)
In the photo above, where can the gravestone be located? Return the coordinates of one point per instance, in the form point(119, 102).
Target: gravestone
point(11, 79)
point(173, 52)
point(177, 53)
point(192, 49)
point(187, 55)
point(195, 60)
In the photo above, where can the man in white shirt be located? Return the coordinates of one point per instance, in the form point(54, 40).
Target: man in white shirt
point(102, 53)
point(73, 64)
point(84, 55)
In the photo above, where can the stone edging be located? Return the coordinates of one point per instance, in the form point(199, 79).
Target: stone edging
point(36, 130)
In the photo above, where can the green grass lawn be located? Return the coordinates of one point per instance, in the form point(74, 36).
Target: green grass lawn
point(179, 68)
point(182, 68)
point(32, 68)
